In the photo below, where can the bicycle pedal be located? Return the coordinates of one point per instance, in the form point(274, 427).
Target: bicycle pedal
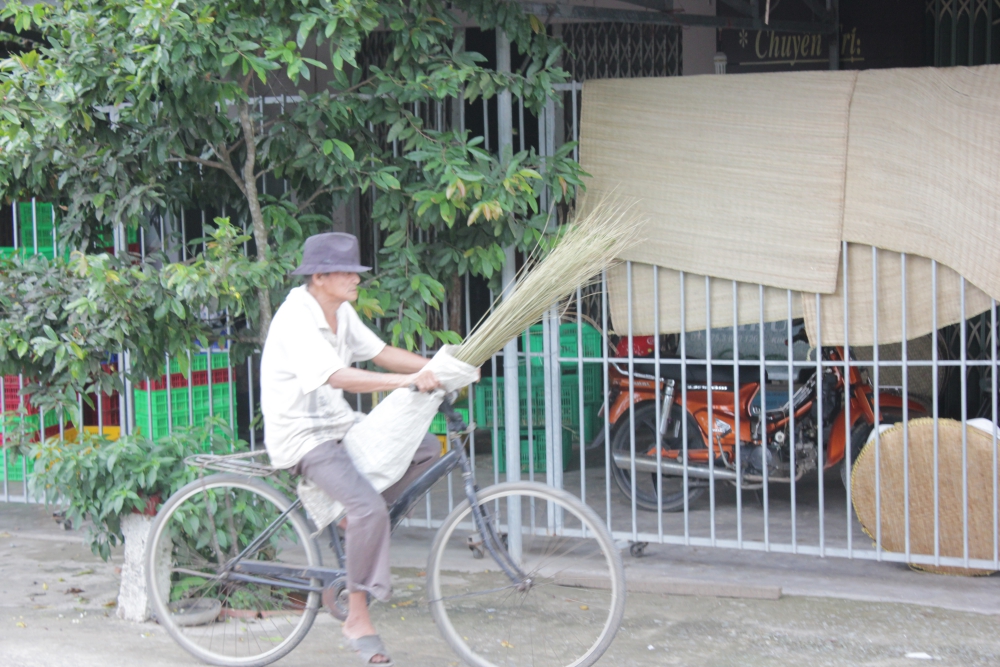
point(334, 598)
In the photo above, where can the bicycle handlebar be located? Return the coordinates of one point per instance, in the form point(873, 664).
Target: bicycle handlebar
point(455, 422)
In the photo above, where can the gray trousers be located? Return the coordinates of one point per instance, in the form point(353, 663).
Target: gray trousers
point(329, 467)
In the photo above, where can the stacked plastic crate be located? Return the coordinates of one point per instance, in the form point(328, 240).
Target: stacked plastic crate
point(593, 379)
point(104, 417)
point(105, 241)
point(183, 399)
point(36, 223)
point(533, 436)
point(20, 414)
point(569, 400)
point(37, 233)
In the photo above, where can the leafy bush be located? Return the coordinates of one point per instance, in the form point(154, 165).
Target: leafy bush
point(104, 480)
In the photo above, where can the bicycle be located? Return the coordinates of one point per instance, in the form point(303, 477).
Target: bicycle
point(235, 573)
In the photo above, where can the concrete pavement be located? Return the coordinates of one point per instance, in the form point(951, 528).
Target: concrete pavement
point(57, 608)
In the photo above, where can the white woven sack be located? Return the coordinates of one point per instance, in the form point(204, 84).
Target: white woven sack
point(383, 444)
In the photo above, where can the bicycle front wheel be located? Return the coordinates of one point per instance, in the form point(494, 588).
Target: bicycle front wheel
point(568, 611)
point(247, 621)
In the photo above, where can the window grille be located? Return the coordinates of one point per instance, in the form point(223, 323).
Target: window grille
point(621, 50)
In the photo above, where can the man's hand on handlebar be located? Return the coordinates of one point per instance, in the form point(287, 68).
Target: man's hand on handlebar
point(424, 381)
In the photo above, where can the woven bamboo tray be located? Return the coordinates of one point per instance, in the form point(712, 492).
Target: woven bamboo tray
point(980, 456)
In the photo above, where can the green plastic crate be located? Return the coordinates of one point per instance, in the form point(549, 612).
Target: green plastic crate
point(181, 413)
point(222, 395)
point(199, 362)
point(538, 444)
point(42, 222)
point(13, 468)
point(593, 383)
point(11, 420)
point(569, 404)
point(571, 410)
point(484, 402)
point(439, 426)
point(568, 342)
point(162, 420)
point(105, 238)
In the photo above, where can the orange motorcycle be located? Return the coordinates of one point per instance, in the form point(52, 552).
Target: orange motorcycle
point(781, 441)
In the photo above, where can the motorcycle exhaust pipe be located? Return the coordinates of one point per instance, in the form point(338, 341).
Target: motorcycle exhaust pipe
point(624, 461)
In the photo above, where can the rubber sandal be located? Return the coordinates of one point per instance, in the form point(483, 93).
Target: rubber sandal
point(368, 647)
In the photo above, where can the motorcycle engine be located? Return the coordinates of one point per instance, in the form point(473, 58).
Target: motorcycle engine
point(755, 457)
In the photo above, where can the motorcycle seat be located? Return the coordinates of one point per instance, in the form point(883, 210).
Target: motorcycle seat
point(697, 373)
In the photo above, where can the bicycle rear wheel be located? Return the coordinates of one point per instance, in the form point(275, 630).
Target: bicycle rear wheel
point(569, 612)
point(216, 618)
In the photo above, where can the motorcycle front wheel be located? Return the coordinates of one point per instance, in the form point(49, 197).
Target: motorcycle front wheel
point(649, 487)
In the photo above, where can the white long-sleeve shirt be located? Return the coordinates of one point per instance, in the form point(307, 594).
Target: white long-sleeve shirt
point(301, 410)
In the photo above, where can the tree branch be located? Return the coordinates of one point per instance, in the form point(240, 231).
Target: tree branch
point(198, 160)
point(263, 172)
point(226, 164)
point(355, 87)
point(239, 142)
point(307, 203)
point(260, 231)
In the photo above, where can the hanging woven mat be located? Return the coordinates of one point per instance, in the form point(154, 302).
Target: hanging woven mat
point(921, 487)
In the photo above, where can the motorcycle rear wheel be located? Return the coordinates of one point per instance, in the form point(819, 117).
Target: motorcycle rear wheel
point(647, 486)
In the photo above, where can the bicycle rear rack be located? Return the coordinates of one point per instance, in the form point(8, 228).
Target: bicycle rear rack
point(232, 463)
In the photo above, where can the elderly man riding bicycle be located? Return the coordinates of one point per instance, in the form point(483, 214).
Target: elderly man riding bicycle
point(305, 369)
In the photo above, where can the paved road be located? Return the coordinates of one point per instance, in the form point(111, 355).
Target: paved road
point(57, 608)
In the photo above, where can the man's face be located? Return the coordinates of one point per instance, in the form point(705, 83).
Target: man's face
point(339, 286)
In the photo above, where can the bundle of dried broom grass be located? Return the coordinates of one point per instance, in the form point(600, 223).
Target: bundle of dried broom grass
point(594, 240)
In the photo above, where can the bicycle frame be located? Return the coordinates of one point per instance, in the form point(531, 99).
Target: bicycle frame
point(263, 572)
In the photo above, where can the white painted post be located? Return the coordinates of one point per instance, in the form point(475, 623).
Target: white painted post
point(512, 417)
point(133, 596)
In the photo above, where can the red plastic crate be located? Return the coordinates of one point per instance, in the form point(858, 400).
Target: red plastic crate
point(157, 384)
point(110, 412)
point(108, 404)
point(219, 376)
point(11, 392)
point(109, 407)
point(12, 396)
point(177, 381)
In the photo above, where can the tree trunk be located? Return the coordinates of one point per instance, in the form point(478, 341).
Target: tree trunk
point(259, 229)
point(455, 305)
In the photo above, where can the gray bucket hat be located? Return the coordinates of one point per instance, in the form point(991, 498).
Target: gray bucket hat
point(330, 253)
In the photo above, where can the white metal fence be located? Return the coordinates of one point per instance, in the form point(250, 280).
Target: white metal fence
point(713, 436)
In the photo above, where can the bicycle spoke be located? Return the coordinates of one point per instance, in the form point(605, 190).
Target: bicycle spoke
point(491, 620)
point(206, 607)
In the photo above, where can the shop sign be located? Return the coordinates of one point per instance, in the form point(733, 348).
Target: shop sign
point(770, 51)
